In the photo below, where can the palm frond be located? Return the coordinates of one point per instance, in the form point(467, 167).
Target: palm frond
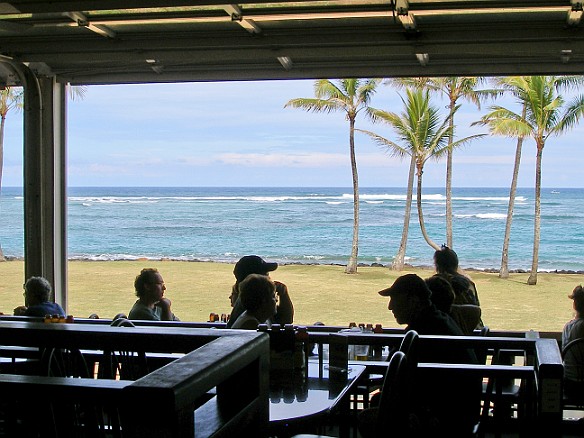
point(392, 148)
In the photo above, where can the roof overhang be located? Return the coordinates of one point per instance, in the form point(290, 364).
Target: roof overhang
point(89, 42)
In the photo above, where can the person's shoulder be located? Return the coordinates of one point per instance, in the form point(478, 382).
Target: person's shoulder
point(467, 310)
point(433, 321)
point(245, 322)
point(460, 280)
point(578, 326)
point(140, 311)
point(46, 308)
point(444, 324)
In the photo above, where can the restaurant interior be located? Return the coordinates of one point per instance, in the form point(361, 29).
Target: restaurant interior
point(106, 378)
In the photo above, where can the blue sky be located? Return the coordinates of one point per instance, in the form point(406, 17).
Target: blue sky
point(240, 134)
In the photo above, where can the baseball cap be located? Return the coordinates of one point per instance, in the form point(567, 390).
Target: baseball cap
point(407, 284)
point(252, 264)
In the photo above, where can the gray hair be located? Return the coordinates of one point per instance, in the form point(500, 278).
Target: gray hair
point(39, 288)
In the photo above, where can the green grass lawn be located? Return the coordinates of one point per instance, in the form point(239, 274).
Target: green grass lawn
point(319, 292)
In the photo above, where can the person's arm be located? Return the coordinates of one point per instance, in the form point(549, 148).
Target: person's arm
point(166, 314)
point(285, 309)
point(235, 313)
point(20, 311)
point(474, 292)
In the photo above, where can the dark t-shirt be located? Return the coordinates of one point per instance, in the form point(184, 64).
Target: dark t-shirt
point(465, 291)
point(435, 322)
point(455, 403)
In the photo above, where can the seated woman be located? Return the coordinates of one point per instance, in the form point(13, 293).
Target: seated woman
point(574, 329)
point(257, 294)
point(446, 262)
point(466, 316)
point(37, 293)
point(253, 264)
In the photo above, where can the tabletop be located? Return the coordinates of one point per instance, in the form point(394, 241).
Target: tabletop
point(301, 395)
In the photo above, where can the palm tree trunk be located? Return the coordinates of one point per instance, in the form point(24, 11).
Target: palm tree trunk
point(2, 123)
point(449, 178)
point(398, 261)
point(352, 264)
point(420, 213)
point(532, 280)
point(504, 271)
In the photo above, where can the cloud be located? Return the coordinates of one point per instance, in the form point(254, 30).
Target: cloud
point(490, 159)
point(283, 160)
point(290, 160)
point(100, 169)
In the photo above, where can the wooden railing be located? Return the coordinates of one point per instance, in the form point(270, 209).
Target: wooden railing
point(225, 369)
point(542, 369)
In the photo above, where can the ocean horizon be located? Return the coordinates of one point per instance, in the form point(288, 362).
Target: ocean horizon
point(305, 225)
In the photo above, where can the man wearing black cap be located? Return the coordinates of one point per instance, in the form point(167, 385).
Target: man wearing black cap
point(455, 403)
point(410, 304)
point(253, 264)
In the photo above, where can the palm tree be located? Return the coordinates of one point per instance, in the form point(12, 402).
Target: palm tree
point(454, 88)
point(399, 259)
point(546, 114)
point(504, 270)
point(422, 135)
point(11, 98)
point(351, 96)
point(507, 85)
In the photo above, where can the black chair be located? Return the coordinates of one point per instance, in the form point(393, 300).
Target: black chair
point(124, 365)
point(573, 399)
point(501, 398)
point(409, 346)
point(363, 392)
point(392, 414)
point(482, 353)
point(65, 418)
point(573, 358)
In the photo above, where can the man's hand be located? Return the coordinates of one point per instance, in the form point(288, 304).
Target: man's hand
point(164, 303)
point(281, 288)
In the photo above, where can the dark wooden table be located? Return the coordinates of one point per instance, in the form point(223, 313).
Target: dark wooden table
point(301, 401)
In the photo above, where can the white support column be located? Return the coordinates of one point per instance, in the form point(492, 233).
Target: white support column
point(54, 187)
point(45, 198)
point(33, 212)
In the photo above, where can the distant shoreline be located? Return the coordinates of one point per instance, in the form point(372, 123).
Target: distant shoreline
point(361, 265)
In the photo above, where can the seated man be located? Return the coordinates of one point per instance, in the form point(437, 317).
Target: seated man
point(151, 304)
point(253, 264)
point(37, 293)
point(454, 404)
point(257, 295)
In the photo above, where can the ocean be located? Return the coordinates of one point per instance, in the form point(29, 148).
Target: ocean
point(305, 225)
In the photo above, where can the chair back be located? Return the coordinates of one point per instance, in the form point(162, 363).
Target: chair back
point(124, 365)
point(573, 358)
point(393, 411)
point(409, 346)
point(482, 353)
point(63, 362)
point(122, 322)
